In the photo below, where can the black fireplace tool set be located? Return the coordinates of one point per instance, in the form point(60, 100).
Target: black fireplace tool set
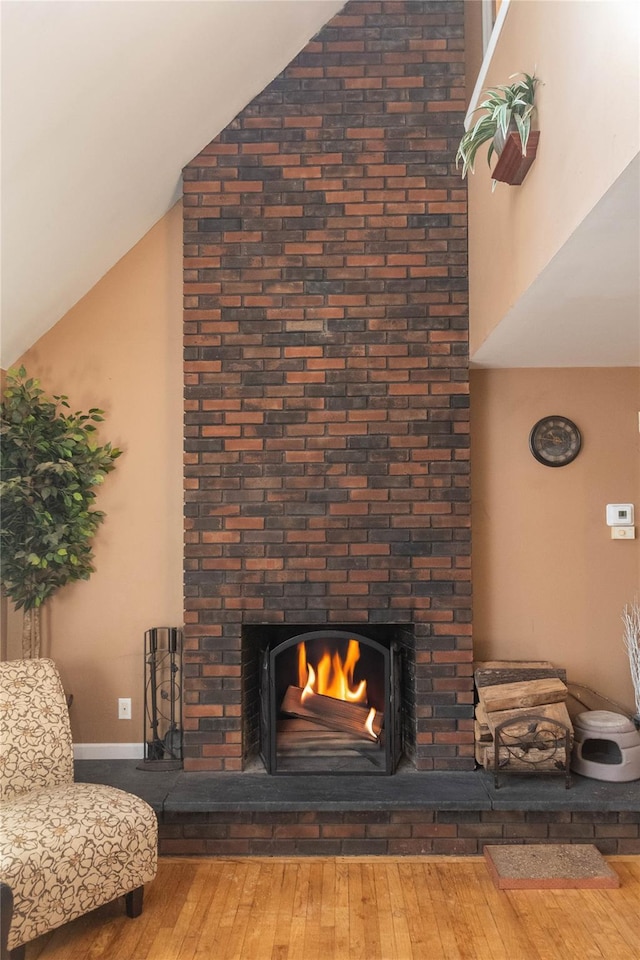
point(162, 699)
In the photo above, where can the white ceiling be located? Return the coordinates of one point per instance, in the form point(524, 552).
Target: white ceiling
point(102, 105)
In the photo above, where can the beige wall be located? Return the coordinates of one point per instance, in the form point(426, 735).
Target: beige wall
point(583, 52)
point(120, 349)
point(549, 582)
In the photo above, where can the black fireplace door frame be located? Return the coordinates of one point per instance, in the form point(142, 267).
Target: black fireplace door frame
point(270, 708)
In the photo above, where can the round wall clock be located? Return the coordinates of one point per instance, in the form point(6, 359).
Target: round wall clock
point(555, 441)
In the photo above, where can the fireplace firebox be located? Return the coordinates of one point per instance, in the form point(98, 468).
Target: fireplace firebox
point(330, 703)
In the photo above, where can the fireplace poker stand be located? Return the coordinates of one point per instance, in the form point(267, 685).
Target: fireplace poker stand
point(162, 699)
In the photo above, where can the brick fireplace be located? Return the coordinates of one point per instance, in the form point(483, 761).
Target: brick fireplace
point(326, 379)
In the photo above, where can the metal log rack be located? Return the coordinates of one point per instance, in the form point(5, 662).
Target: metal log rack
point(544, 748)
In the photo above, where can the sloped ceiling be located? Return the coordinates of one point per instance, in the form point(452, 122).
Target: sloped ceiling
point(102, 105)
point(583, 309)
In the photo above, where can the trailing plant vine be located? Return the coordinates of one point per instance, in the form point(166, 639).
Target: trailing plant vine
point(50, 466)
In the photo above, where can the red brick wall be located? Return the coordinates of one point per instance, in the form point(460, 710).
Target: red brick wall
point(390, 833)
point(326, 374)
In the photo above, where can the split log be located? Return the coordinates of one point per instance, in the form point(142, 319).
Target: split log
point(332, 713)
point(509, 664)
point(481, 719)
point(481, 753)
point(550, 711)
point(305, 738)
point(531, 693)
point(534, 761)
point(492, 672)
point(481, 734)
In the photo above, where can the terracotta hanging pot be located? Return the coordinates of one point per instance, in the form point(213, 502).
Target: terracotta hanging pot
point(512, 167)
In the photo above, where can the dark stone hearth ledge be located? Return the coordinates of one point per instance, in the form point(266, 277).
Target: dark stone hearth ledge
point(179, 792)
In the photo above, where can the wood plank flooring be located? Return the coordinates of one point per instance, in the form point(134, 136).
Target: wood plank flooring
point(352, 908)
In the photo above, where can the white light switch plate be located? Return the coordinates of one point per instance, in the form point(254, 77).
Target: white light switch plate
point(623, 533)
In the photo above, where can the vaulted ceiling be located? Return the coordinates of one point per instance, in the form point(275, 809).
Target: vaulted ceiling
point(583, 309)
point(102, 105)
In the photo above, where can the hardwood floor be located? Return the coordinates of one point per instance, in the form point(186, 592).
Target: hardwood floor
point(354, 909)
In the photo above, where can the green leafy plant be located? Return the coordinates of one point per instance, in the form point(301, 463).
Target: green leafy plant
point(507, 106)
point(50, 466)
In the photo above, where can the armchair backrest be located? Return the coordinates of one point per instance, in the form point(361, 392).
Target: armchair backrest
point(35, 735)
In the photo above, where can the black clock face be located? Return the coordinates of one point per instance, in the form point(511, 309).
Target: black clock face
point(555, 441)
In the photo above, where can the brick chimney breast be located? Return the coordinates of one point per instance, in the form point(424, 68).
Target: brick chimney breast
point(326, 373)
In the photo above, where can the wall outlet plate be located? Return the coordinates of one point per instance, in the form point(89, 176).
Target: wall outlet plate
point(124, 708)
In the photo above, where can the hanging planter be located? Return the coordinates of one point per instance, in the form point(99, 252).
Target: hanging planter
point(506, 123)
point(513, 164)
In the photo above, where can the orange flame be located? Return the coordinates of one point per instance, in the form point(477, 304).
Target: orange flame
point(332, 677)
point(369, 723)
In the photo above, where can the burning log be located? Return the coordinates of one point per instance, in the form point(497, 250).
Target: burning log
point(307, 738)
point(353, 718)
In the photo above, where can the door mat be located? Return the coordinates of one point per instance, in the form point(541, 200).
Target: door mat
point(560, 866)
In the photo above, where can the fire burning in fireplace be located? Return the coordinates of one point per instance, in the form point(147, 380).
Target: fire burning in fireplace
point(330, 701)
point(334, 677)
point(328, 694)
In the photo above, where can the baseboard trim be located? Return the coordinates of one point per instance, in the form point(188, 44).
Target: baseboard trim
point(108, 751)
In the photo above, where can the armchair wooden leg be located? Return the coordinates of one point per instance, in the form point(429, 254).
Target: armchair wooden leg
point(6, 913)
point(133, 901)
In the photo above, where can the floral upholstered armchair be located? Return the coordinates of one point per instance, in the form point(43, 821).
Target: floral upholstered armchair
point(65, 847)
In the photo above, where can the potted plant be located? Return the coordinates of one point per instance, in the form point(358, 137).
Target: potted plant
point(507, 109)
point(50, 466)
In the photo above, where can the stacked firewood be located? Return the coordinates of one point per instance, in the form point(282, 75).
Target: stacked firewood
point(533, 694)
